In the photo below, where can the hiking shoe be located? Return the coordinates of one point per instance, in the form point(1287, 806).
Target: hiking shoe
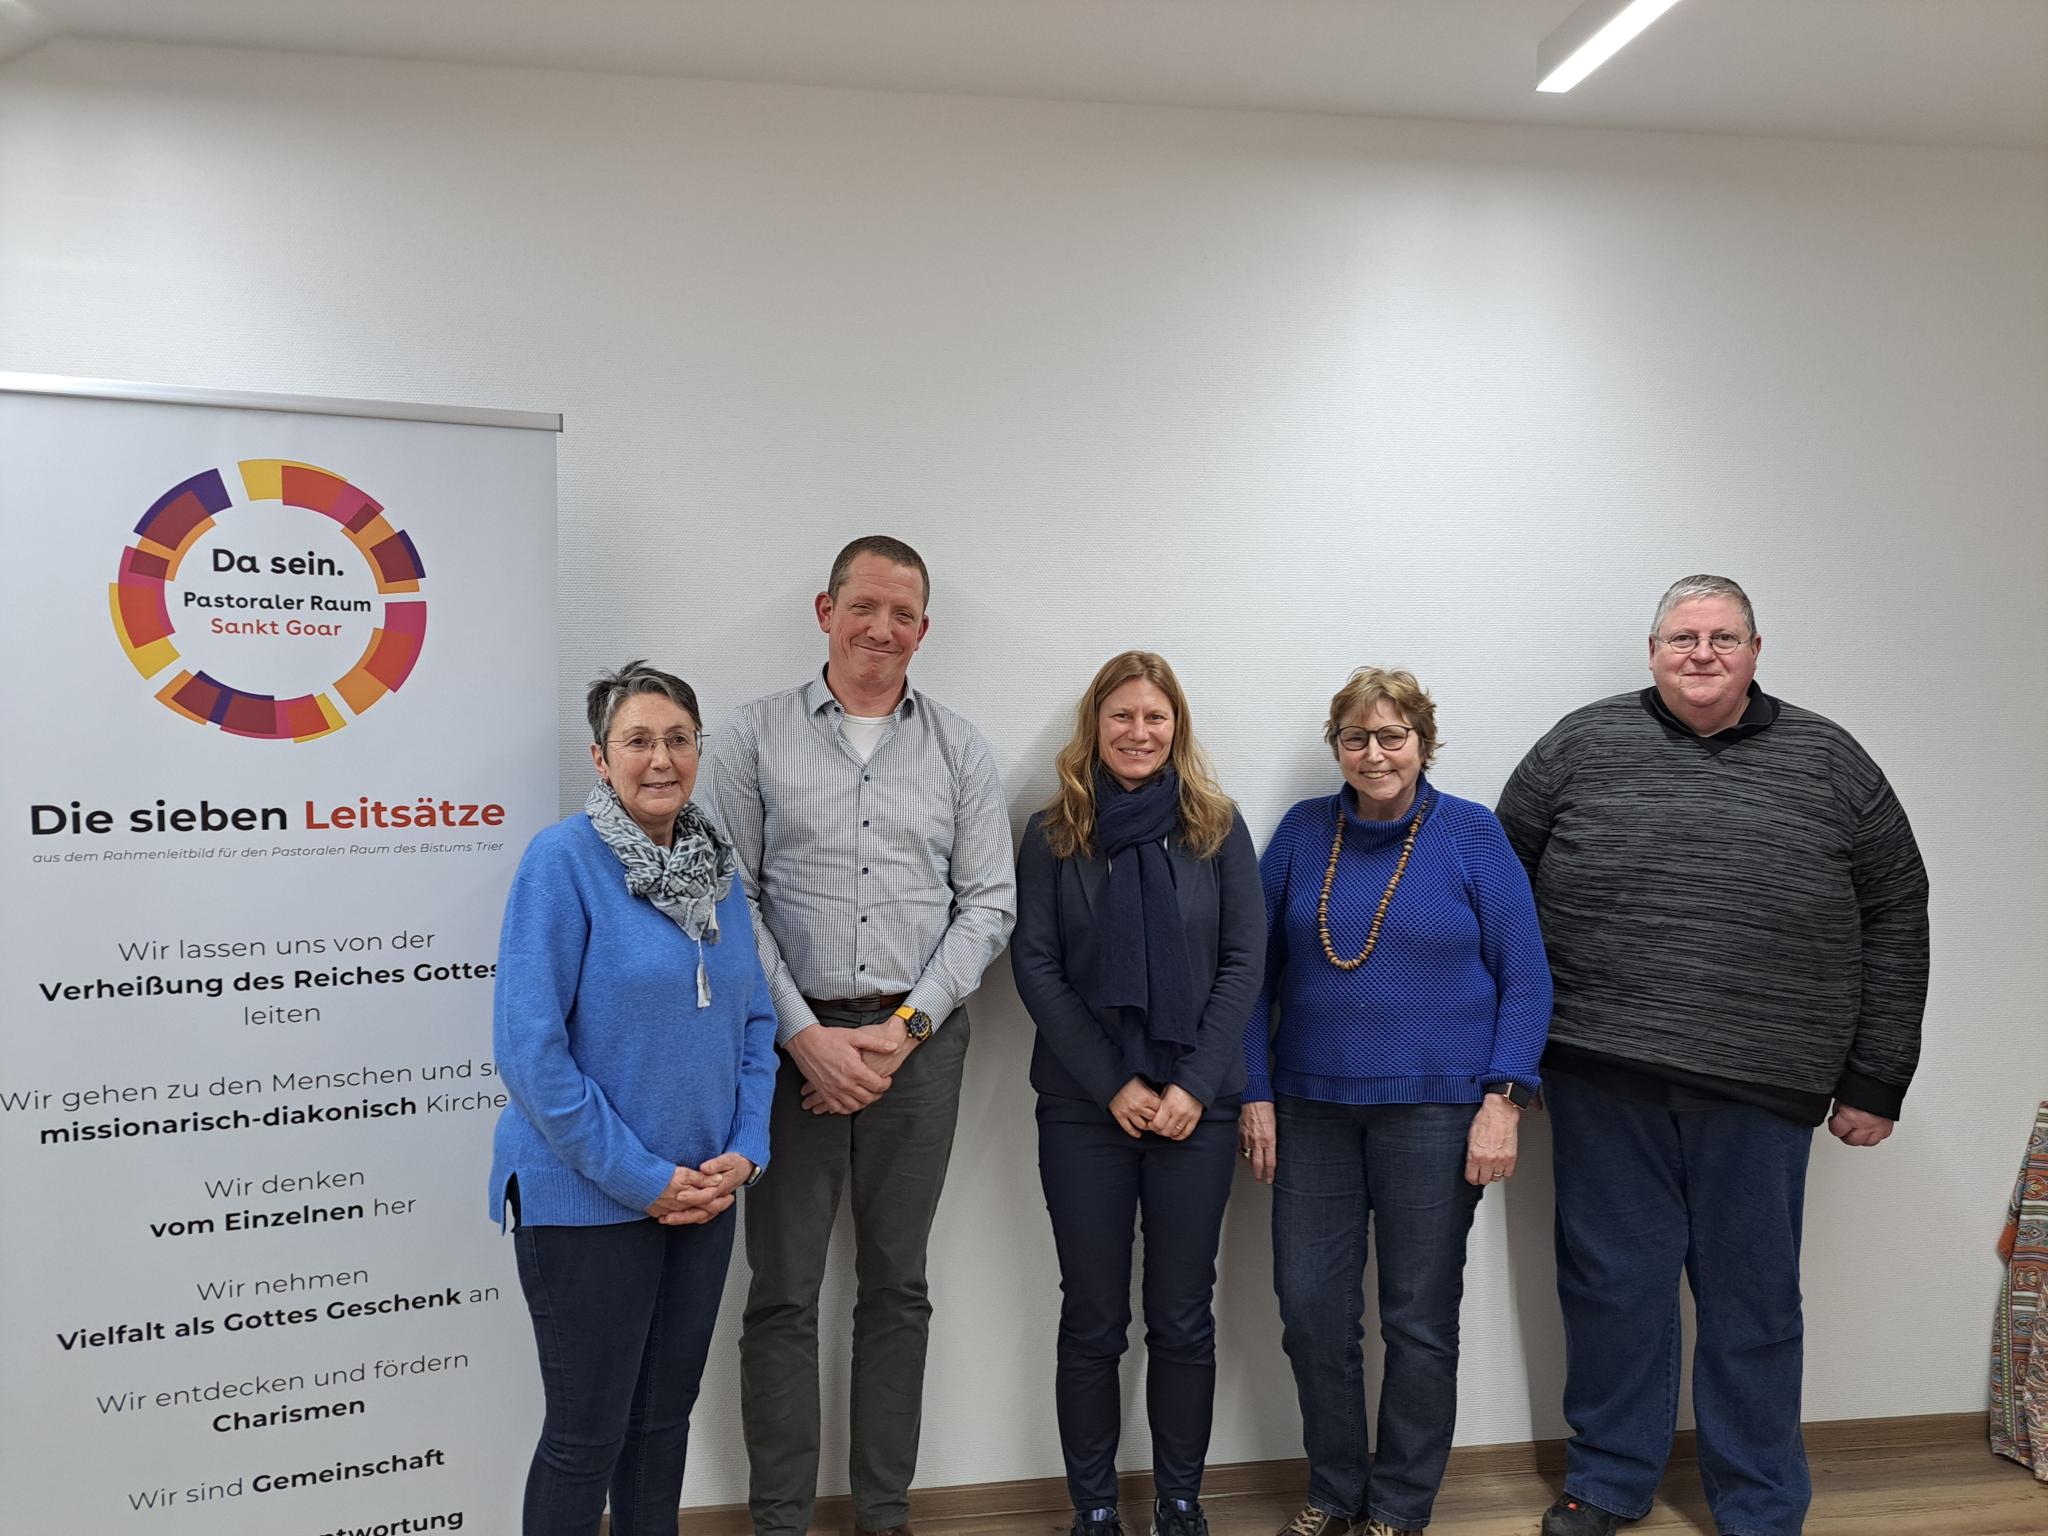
point(1575, 1517)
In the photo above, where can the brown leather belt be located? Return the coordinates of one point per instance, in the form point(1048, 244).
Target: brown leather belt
point(885, 1002)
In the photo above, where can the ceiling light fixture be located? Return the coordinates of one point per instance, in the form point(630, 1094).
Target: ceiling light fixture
point(1589, 37)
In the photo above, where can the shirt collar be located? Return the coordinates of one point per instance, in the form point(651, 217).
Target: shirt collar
point(1759, 714)
point(818, 697)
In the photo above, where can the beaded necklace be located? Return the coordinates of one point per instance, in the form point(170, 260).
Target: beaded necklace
point(1372, 935)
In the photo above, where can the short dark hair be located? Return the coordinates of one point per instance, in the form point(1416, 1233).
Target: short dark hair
point(895, 551)
point(612, 689)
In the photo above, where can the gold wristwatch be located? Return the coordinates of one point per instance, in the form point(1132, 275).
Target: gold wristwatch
point(916, 1021)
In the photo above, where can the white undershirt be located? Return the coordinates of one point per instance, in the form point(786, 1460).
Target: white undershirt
point(864, 734)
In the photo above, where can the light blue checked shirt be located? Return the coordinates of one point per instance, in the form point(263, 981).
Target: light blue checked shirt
point(890, 876)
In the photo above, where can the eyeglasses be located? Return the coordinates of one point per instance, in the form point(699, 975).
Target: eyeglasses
point(1685, 641)
point(678, 743)
point(1392, 738)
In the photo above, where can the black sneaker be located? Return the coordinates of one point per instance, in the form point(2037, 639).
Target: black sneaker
point(1575, 1517)
point(1179, 1517)
point(1097, 1522)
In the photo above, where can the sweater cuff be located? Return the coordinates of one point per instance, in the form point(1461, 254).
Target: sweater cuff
point(1257, 1090)
point(752, 1144)
point(640, 1187)
point(1861, 1091)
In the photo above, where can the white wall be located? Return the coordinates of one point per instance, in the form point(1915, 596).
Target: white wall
point(1274, 395)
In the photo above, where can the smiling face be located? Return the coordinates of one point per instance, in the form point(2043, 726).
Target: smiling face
point(875, 621)
point(1703, 687)
point(1134, 731)
point(653, 785)
point(1382, 782)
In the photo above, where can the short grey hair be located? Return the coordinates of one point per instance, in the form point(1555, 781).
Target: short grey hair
point(611, 690)
point(1686, 588)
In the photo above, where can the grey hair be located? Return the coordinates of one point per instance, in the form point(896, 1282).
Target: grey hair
point(1686, 588)
point(608, 692)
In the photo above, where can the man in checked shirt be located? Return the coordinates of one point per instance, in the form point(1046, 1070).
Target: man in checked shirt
point(875, 847)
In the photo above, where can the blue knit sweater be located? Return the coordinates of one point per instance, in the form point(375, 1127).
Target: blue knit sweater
point(1456, 994)
point(616, 1075)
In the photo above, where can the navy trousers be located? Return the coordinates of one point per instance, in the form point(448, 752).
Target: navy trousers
point(1098, 1182)
point(1643, 1195)
point(622, 1315)
point(1393, 1174)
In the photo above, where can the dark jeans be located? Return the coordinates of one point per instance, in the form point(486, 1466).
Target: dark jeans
point(622, 1315)
point(1643, 1193)
point(891, 1157)
point(1097, 1181)
point(1341, 1166)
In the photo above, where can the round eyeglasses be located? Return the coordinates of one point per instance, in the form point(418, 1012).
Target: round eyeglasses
point(1392, 738)
point(678, 743)
point(1721, 641)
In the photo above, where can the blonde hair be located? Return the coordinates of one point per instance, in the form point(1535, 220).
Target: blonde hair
point(1366, 687)
point(1205, 811)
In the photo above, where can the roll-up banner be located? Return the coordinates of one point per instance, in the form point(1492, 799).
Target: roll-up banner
point(280, 717)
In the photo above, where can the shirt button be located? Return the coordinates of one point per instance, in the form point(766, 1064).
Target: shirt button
point(864, 823)
point(863, 778)
point(863, 967)
point(863, 869)
point(863, 919)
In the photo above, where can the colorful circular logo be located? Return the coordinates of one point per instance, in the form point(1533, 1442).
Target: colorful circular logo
point(282, 601)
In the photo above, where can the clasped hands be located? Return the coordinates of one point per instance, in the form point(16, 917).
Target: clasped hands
point(697, 1195)
point(1172, 1114)
point(848, 1069)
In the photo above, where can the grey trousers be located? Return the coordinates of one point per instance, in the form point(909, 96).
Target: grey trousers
point(892, 1156)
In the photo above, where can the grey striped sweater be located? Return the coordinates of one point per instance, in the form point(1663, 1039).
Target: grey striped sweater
point(1752, 907)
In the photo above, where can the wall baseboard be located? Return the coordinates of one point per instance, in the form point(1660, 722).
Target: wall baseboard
point(1048, 1495)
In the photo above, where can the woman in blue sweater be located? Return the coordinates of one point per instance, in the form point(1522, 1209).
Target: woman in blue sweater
point(1139, 938)
point(635, 1036)
point(1394, 1044)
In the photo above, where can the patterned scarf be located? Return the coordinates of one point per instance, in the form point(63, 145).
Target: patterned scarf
point(686, 880)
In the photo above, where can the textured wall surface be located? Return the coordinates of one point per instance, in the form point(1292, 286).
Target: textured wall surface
point(1273, 395)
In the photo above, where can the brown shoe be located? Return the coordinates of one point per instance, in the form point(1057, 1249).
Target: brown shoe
point(1316, 1522)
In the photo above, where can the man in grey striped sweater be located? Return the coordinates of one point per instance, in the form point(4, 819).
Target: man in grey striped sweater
point(1736, 915)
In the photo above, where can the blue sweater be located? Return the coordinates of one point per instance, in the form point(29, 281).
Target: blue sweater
point(616, 1075)
point(1456, 994)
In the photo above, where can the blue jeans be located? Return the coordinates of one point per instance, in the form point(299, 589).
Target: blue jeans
point(622, 1316)
point(1340, 1167)
point(1097, 1182)
point(1643, 1193)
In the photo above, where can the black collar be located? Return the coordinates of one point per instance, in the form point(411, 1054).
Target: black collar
point(1760, 714)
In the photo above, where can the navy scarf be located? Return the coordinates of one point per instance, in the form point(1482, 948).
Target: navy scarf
point(1144, 948)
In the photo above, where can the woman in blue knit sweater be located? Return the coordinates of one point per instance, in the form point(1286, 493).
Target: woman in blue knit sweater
point(635, 1036)
point(1395, 1041)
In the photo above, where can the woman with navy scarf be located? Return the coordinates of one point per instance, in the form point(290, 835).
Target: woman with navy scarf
point(1139, 942)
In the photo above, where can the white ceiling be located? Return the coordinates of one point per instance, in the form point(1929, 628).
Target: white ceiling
point(1971, 72)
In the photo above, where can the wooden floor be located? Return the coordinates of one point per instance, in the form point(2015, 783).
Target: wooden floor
point(1886, 1477)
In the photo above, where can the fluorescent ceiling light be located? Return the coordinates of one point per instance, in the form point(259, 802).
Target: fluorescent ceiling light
point(1589, 37)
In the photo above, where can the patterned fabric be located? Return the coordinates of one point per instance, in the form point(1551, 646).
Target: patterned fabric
point(916, 838)
point(686, 881)
point(1789, 844)
point(2019, 1345)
